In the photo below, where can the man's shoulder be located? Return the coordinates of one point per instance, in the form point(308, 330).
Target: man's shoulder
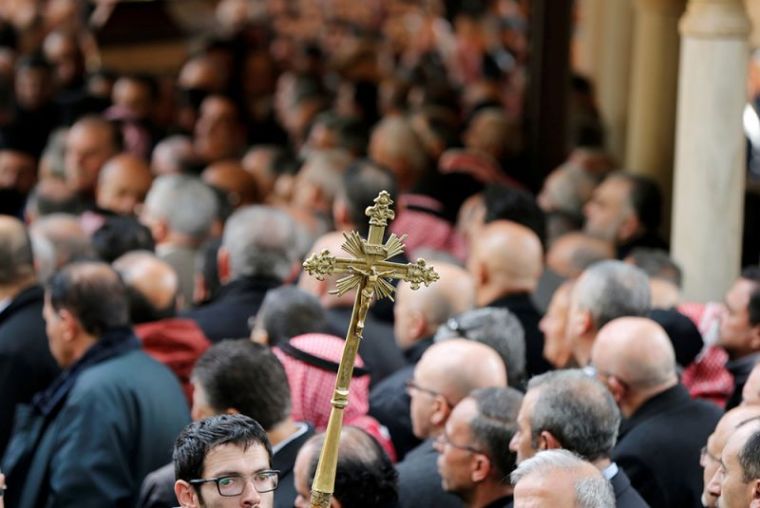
point(131, 369)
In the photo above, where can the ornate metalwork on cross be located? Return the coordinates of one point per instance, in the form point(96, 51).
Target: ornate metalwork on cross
point(369, 272)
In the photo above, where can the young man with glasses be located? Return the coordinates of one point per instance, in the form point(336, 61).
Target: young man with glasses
point(224, 461)
point(473, 460)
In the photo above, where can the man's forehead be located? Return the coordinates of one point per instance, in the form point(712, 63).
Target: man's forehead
point(235, 458)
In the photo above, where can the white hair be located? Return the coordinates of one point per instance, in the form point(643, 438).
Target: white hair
point(188, 205)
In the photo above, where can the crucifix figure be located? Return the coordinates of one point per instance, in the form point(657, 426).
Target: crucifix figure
point(367, 272)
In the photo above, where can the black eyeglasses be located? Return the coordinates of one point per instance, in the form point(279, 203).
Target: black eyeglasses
point(411, 385)
point(443, 440)
point(234, 485)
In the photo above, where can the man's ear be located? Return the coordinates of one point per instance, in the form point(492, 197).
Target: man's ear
point(629, 228)
point(547, 441)
point(755, 489)
point(341, 217)
point(481, 468)
point(71, 325)
point(441, 411)
point(418, 324)
point(160, 230)
point(617, 389)
point(186, 494)
point(223, 265)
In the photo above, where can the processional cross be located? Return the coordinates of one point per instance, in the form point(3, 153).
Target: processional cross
point(368, 272)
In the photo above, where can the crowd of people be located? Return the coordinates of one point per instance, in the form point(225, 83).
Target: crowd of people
point(161, 345)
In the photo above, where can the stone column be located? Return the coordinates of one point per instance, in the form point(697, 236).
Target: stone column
point(588, 38)
point(613, 72)
point(710, 147)
point(654, 85)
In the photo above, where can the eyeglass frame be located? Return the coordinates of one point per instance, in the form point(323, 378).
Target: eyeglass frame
point(593, 372)
point(443, 439)
point(410, 384)
point(216, 480)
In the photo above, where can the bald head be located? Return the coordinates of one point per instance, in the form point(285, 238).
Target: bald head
point(236, 182)
point(68, 239)
point(751, 390)
point(456, 367)
point(418, 313)
point(122, 184)
point(638, 352)
point(152, 278)
point(506, 258)
point(573, 252)
point(16, 260)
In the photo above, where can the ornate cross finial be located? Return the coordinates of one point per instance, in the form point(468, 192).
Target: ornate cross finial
point(370, 273)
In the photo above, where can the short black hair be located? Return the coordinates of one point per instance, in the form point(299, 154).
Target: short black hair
point(288, 311)
point(752, 273)
point(508, 203)
point(16, 257)
point(199, 438)
point(749, 458)
point(646, 199)
point(365, 476)
point(119, 235)
point(240, 374)
point(363, 180)
point(656, 263)
point(93, 292)
point(495, 425)
point(207, 267)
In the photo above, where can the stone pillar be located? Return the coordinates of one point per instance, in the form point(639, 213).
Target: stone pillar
point(710, 147)
point(613, 72)
point(654, 85)
point(588, 38)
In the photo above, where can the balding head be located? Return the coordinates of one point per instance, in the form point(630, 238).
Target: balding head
point(236, 182)
point(331, 242)
point(418, 313)
point(68, 239)
point(16, 259)
point(506, 258)
point(709, 460)
point(636, 357)
point(395, 145)
point(172, 155)
point(122, 184)
point(153, 284)
point(572, 253)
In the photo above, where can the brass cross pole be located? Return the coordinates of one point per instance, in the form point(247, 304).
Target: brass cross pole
point(368, 272)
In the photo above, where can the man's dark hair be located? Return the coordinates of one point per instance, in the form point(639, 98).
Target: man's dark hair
point(656, 263)
point(206, 266)
point(142, 310)
point(646, 199)
point(119, 235)
point(93, 292)
point(508, 203)
point(495, 425)
point(752, 273)
point(16, 258)
point(749, 458)
point(363, 181)
point(288, 311)
point(199, 438)
point(35, 60)
point(365, 476)
point(248, 377)
point(577, 410)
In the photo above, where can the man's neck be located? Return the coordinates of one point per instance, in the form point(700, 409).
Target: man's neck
point(489, 294)
point(636, 400)
point(282, 431)
point(486, 493)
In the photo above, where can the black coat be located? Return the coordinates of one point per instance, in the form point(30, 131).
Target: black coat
point(389, 403)
point(521, 305)
point(625, 495)
point(419, 484)
point(382, 357)
point(26, 366)
point(659, 448)
point(227, 315)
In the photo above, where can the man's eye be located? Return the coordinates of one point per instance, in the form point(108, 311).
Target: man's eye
point(226, 481)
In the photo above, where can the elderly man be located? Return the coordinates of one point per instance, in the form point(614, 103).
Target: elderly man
point(471, 460)
point(626, 209)
point(736, 483)
point(559, 479)
point(223, 457)
point(605, 291)
point(664, 428)
point(180, 211)
point(506, 262)
point(566, 409)
point(66, 452)
point(711, 452)
point(740, 329)
point(90, 142)
point(26, 366)
point(233, 181)
point(123, 184)
point(258, 253)
point(446, 374)
point(365, 477)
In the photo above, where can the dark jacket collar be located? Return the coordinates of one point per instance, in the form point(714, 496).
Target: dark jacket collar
point(741, 367)
point(112, 343)
point(245, 285)
point(514, 301)
point(284, 459)
point(28, 296)
point(502, 502)
point(416, 350)
point(665, 401)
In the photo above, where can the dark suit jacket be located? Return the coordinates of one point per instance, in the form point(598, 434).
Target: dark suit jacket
point(521, 305)
point(740, 369)
point(26, 366)
point(226, 316)
point(419, 484)
point(659, 446)
point(283, 461)
point(625, 495)
point(382, 357)
point(389, 403)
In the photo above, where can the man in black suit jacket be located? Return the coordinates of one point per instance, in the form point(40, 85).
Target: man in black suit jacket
point(568, 409)
point(258, 253)
point(664, 429)
point(26, 366)
point(506, 262)
point(240, 376)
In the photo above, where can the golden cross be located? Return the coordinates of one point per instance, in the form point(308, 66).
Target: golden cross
point(367, 272)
